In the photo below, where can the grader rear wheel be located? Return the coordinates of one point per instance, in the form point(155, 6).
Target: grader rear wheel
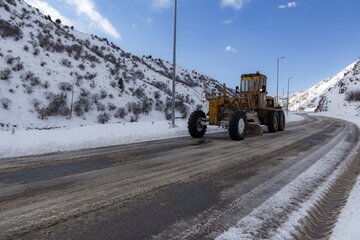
point(281, 121)
point(238, 126)
point(195, 127)
point(273, 121)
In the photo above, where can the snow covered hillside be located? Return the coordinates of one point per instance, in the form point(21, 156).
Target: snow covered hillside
point(338, 93)
point(43, 64)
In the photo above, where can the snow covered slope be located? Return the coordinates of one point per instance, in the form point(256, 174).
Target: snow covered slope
point(43, 63)
point(338, 93)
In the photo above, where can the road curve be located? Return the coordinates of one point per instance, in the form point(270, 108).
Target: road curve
point(179, 188)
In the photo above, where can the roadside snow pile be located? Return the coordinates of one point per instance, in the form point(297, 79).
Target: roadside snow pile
point(349, 219)
point(347, 226)
point(34, 142)
point(341, 92)
point(293, 117)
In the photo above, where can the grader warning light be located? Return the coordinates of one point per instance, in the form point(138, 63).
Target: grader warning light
point(241, 114)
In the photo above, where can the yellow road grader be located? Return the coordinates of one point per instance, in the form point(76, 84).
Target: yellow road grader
point(241, 114)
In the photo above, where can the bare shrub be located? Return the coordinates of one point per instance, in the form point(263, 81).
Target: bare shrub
point(28, 89)
point(46, 85)
point(139, 74)
point(83, 104)
point(113, 84)
point(65, 86)
point(182, 108)
point(15, 63)
point(353, 96)
point(159, 105)
point(75, 49)
point(135, 108)
point(139, 93)
point(9, 30)
point(81, 66)
point(5, 74)
point(157, 95)
point(103, 94)
point(103, 118)
point(5, 102)
point(95, 98)
point(90, 76)
point(162, 86)
point(100, 107)
point(65, 62)
point(120, 113)
point(121, 85)
point(147, 105)
point(36, 51)
point(167, 110)
point(10, 60)
point(12, 2)
point(111, 106)
point(30, 77)
point(57, 105)
point(18, 66)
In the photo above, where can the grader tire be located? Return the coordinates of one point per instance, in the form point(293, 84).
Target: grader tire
point(273, 121)
point(238, 126)
point(281, 127)
point(195, 128)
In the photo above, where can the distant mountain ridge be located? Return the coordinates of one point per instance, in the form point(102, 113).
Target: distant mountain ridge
point(43, 63)
point(340, 93)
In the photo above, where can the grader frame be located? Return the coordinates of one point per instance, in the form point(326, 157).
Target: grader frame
point(243, 113)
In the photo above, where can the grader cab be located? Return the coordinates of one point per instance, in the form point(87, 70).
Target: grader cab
point(241, 114)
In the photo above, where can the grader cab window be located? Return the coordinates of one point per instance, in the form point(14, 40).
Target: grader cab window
point(244, 86)
point(249, 86)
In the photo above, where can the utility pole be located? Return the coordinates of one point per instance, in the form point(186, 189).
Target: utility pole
point(174, 68)
point(277, 79)
point(288, 93)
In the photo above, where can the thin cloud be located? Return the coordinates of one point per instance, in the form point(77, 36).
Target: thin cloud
point(236, 4)
point(230, 49)
point(227, 21)
point(288, 5)
point(160, 4)
point(87, 8)
point(47, 9)
point(149, 21)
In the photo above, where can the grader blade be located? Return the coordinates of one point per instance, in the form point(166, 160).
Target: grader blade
point(254, 129)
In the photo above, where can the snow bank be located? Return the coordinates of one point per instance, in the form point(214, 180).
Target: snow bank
point(347, 226)
point(33, 142)
point(349, 219)
point(293, 117)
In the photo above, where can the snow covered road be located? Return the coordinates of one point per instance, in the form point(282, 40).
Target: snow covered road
point(179, 188)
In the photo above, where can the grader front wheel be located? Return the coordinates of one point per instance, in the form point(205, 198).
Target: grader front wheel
point(238, 126)
point(195, 126)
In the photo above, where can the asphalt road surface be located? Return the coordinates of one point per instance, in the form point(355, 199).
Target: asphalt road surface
point(179, 188)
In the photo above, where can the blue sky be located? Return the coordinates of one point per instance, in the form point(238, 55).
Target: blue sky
point(226, 38)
